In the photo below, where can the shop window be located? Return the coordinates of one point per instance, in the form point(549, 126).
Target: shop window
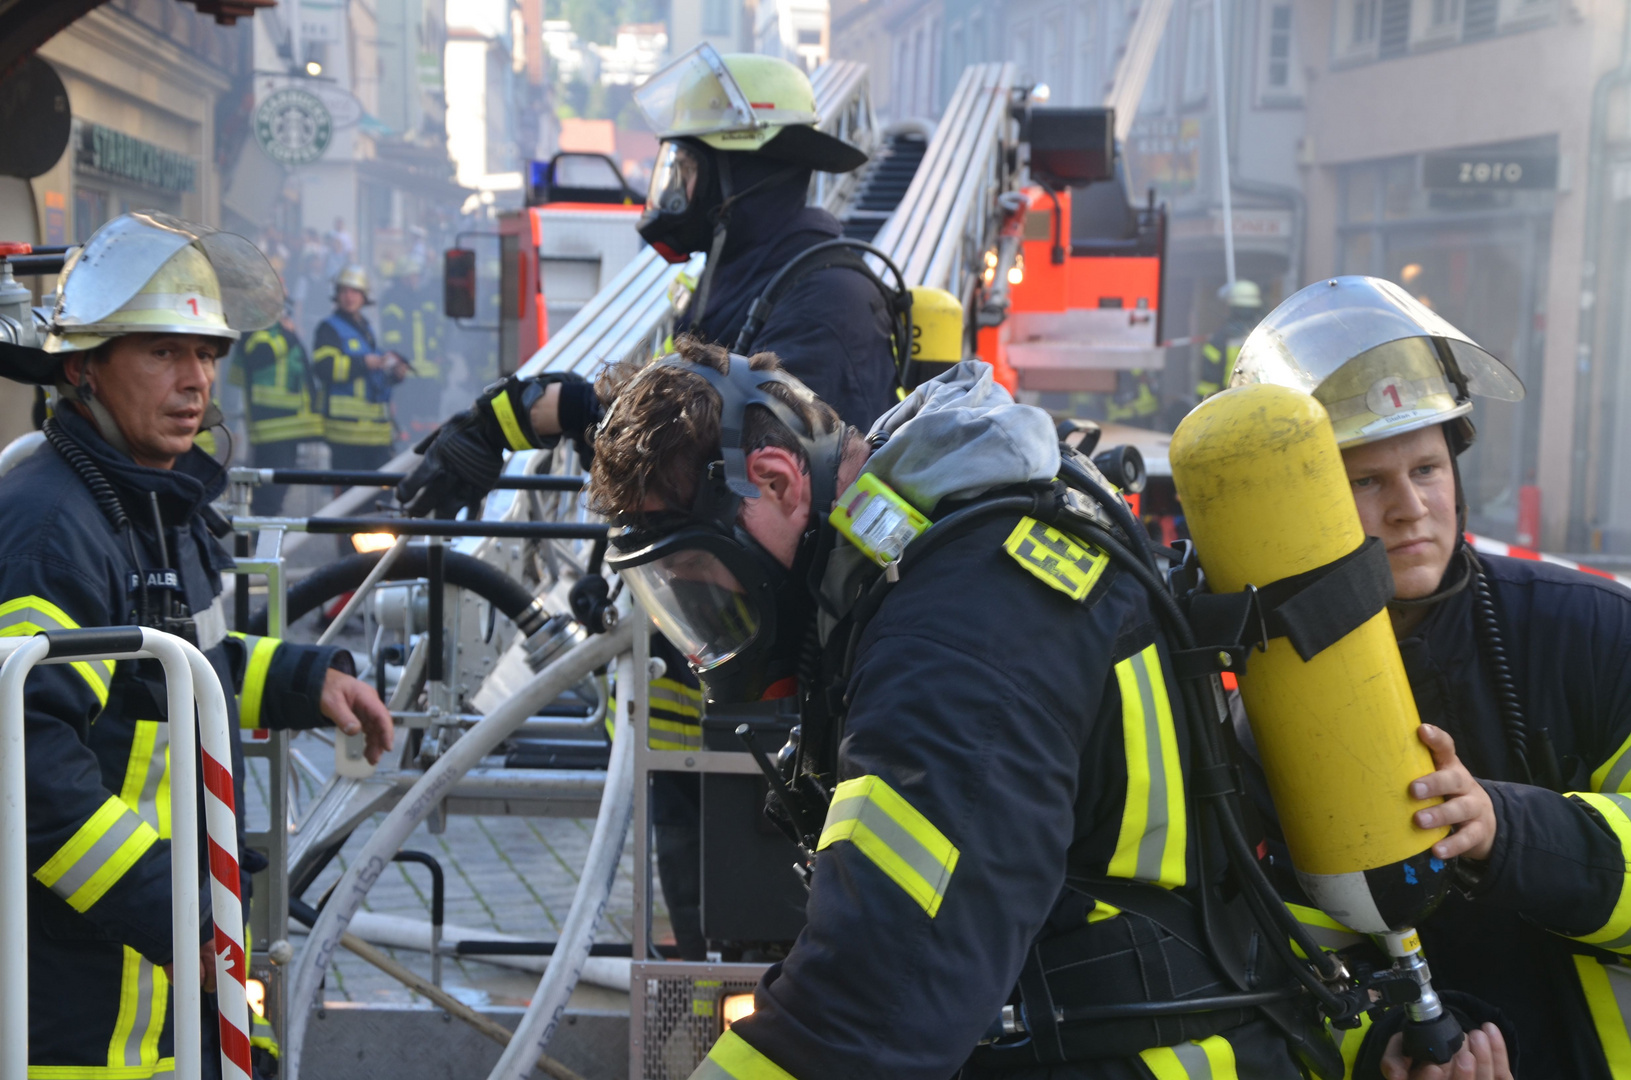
point(90, 212)
point(1197, 53)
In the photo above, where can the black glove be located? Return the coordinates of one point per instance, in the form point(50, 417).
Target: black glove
point(464, 456)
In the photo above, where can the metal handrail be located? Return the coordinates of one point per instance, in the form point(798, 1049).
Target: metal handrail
point(185, 671)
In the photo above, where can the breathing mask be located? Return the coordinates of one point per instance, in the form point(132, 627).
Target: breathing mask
point(737, 614)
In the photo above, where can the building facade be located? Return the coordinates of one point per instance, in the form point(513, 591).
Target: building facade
point(1493, 200)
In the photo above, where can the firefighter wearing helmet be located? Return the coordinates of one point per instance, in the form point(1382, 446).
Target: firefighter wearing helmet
point(110, 525)
point(356, 377)
point(1518, 670)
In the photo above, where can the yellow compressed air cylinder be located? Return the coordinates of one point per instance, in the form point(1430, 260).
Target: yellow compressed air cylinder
point(1266, 497)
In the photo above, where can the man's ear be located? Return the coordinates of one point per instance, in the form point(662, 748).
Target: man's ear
point(779, 476)
point(73, 367)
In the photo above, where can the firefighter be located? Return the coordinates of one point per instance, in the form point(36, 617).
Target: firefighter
point(356, 378)
point(739, 144)
point(110, 525)
point(969, 775)
point(410, 321)
point(283, 403)
point(1518, 669)
point(1218, 355)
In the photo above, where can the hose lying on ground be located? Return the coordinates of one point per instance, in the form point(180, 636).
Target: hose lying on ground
point(305, 979)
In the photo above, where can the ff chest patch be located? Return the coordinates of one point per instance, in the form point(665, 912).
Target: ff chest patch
point(1058, 560)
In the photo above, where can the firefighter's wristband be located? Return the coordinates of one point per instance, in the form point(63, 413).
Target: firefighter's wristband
point(510, 404)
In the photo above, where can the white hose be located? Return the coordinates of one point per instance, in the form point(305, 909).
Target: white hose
point(600, 867)
point(561, 675)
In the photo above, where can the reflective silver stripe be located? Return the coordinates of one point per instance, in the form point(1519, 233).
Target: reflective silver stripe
point(211, 624)
point(1619, 980)
point(1617, 771)
point(143, 1016)
point(107, 845)
point(1194, 1060)
point(158, 764)
point(902, 844)
point(710, 1070)
point(1327, 938)
point(1152, 845)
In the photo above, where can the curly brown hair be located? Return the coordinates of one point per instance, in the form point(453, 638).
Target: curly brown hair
point(661, 428)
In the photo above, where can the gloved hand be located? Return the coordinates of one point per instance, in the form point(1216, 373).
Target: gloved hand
point(464, 456)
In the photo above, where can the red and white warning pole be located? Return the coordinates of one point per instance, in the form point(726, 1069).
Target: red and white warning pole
point(1495, 547)
point(226, 898)
point(185, 670)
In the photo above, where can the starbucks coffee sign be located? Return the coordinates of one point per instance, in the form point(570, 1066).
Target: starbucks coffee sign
point(293, 126)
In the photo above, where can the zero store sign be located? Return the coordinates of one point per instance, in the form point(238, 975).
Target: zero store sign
point(1474, 171)
point(293, 126)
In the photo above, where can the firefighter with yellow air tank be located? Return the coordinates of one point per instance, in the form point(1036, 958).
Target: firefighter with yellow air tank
point(1517, 669)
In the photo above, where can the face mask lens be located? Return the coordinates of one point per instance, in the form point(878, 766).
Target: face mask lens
point(699, 605)
point(672, 181)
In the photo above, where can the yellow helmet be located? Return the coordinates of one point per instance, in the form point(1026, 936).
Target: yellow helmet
point(354, 277)
point(149, 273)
point(1381, 362)
point(746, 102)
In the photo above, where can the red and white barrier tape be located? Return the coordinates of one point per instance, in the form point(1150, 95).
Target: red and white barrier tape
point(1495, 547)
point(231, 965)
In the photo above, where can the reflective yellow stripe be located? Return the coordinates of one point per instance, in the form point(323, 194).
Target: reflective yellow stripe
point(733, 1058)
point(358, 432)
point(97, 855)
point(342, 362)
point(1327, 933)
point(504, 412)
point(1615, 810)
point(144, 993)
point(146, 788)
point(1154, 827)
point(163, 1069)
point(30, 615)
point(1056, 559)
point(900, 841)
point(1209, 1059)
point(261, 650)
point(1613, 774)
point(1608, 996)
point(1349, 1041)
point(682, 736)
point(356, 406)
point(303, 425)
point(676, 710)
point(1102, 911)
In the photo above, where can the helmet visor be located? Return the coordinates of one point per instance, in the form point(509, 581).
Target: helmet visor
point(699, 604)
point(1317, 330)
point(122, 256)
point(695, 95)
point(674, 180)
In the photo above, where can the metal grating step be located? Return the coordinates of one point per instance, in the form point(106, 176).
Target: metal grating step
point(885, 183)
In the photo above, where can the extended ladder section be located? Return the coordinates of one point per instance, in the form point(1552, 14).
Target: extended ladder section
point(635, 310)
point(949, 218)
point(882, 184)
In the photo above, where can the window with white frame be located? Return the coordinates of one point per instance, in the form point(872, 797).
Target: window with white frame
point(1197, 52)
point(1361, 28)
point(1443, 15)
point(1279, 75)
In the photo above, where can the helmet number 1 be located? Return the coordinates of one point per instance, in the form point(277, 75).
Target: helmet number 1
point(1390, 395)
point(192, 302)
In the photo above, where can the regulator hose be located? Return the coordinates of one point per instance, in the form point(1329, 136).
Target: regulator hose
point(501, 590)
point(1500, 672)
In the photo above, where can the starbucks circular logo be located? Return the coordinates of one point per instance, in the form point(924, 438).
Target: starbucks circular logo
point(293, 126)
